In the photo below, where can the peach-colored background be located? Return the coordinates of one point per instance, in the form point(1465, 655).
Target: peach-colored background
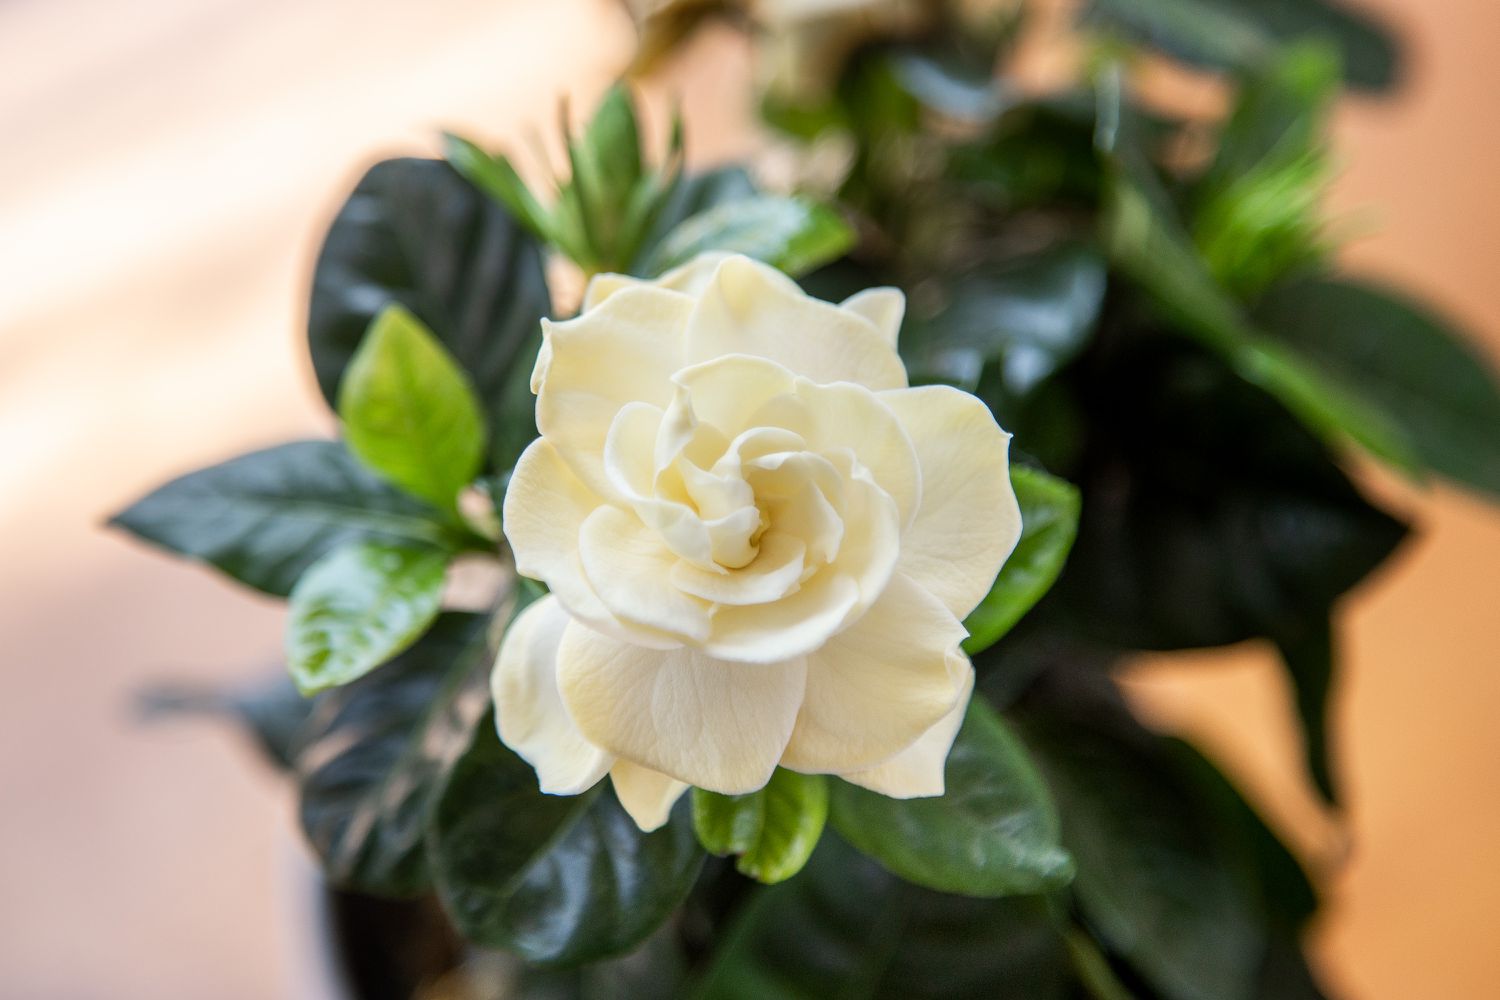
point(166, 170)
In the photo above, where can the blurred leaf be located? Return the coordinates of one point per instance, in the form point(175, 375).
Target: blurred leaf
point(772, 831)
point(1049, 523)
point(1032, 316)
point(654, 971)
point(1309, 661)
point(992, 833)
point(409, 412)
point(1241, 35)
point(1421, 374)
point(371, 757)
point(1211, 516)
point(1039, 152)
point(607, 171)
point(265, 517)
point(357, 607)
point(271, 711)
point(417, 233)
point(1154, 879)
point(792, 234)
point(561, 879)
point(494, 174)
point(691, 195)
point(846, 928)
point(1146, 242)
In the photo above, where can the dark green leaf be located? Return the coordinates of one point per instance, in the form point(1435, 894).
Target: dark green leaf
point(992, 833)
point(417, 233)
point(847, 929)
point(1309, 661)
point(607, 171)
point(553, 878)
point(792, 234)
point(373, 754)
point(1411, 365)
point(263, 518)
point(654, 971)
point(357, 607)
point(495, 176)
point(409, 411)
point(773, 831)
point(272, 712)
point(1154, 878)
point(1049, 523)
point(690, 196)
point(1242, 35)
point(1032, 316)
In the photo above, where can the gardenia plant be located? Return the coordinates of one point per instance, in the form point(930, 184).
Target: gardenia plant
point(767, 561)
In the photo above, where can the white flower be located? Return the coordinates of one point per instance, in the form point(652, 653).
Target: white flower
point(760, 543)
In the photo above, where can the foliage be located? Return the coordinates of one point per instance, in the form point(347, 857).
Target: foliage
point(1185, 370)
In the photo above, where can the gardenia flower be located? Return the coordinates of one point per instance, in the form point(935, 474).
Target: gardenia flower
point(760, 543)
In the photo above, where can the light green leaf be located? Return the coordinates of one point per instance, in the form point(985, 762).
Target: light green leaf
point(993, 832)
point(1049, 523)
point(793, 234)
point(359, 606)
point(409, 411)
point(773, 830)
point(493, 174)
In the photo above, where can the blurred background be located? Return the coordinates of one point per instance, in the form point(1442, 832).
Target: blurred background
point(167, 169)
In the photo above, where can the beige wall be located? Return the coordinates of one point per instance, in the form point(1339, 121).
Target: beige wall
point(166, 168)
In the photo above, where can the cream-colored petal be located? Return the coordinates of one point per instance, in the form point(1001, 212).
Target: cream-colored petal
point(622, 351)
point(883, 307)
point(968, 521)
point(529, 712)
point(880, 684)
point(917, 771)
point(716, 725)
point(852, 417)
point(728, 391)
point(751, 308)
point(647, 795)
point(771, 575)
point(689, 278)
point(629, 568)
point(791, 627)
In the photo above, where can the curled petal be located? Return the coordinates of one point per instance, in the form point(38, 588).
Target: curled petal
point(717, 725)
point(647, 795)
point(791, 627)
point(775, 571)
point(529, 712)
point(917, 771)
point(883, 307)
point(880, 684)
point(968, 521)
point(630, 568)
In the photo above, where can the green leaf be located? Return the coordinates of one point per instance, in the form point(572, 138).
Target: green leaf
point(552, 878)
point(773, 831)
point(371, 758)
point(1033, 316)
point(271, 712)
point(992, 833)
point(1155, 879)
point(359, 606)
point(409, 411)
point(1242, 35)
point(265, 517)
point(1147, 243)
point(848, 929)
point(1049, 523)
point(793, 234)
point(493, 174)
point(415, 232)
point(1411, 365)
point(690, 196)
point(607, 171)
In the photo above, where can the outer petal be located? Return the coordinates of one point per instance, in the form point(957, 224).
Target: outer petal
point(969, 521)
point(884, 307)
point(647, 795)
point(529, 711)
point(690, 278)
point(751, 308)
point(917, 771)
point(713, 724)
point(623, 351)
point(879, 685)
point(544, 510)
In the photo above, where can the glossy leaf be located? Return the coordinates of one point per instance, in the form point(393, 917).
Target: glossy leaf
point(415, 232)
point(792, 234)
point(561, 879)
point(992, 833)
point(1413, 366)
point(372, 756)
point(1049, 523)
point(265, 517)
point(409, 411)
point(1031, 317)
point(1154, 878)
point(846, 928)
point(772, 831)
point(357, 607)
